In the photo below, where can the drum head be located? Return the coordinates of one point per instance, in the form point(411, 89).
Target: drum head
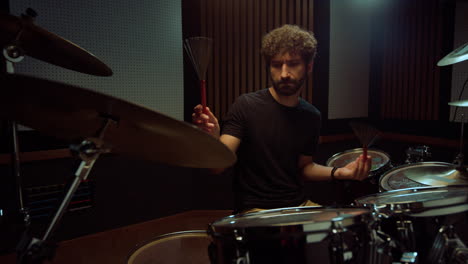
point(310, 218)
point(179, 247)
point(379, 158)
point(396, 178)
point(420, 201)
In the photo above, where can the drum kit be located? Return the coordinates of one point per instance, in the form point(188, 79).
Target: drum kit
point(420, 223)
point(419, 215)
point(96, 122)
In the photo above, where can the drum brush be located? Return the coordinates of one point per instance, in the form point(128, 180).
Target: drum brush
point(198, 50)
point(366, 134)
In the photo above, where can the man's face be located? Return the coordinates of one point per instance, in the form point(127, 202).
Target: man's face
point(288, 73)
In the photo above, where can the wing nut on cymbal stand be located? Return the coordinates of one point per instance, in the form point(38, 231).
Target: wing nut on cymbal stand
point(34, 250)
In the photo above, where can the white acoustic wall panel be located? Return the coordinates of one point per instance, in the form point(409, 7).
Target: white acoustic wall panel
point(349, 58)
point(141, 41)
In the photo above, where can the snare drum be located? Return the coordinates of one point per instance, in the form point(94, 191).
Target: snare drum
point(380, 160)
point(396, 178)
point(421, 220)
point(293, 235)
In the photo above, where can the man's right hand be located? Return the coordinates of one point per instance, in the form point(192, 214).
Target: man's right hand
point(206, 121)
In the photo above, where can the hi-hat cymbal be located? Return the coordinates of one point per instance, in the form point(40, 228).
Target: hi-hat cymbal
point(461, 103)
point(73, 113)
point(458, 55)
point(436, 174)
point(46, 46)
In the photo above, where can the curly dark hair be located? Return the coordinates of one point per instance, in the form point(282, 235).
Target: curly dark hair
point(289, 38)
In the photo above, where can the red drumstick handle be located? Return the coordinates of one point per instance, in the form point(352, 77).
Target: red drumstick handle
point(203, 94)
point(364, 154)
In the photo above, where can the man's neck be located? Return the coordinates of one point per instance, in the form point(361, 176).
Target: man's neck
point(290, 101)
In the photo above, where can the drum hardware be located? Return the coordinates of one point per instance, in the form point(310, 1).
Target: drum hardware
point(421, 220)
point(14, 54)
point(459, 256)
point(406, 234)
point(71, 113)
point(409, 257)
point(19, 37)
point(35, 250)
point(417, 154)
point(445, 244)
point(381, 246)
point(242, 254)
point(459, 159)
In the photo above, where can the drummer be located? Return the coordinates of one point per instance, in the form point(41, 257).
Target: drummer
point(275, 132)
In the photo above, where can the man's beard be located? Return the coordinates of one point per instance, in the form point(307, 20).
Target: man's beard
point(288, 87)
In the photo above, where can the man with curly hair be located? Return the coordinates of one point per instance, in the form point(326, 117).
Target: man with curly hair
point(274, 132)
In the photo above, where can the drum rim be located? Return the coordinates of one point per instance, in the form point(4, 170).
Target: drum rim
point(392, 170)
point(217, 228)
point(329, 160)
point(410, 207)
point(140, 245)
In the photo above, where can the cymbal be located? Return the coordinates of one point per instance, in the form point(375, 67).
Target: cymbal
point(458, 55)
point(462, 103)
point(46, 46)
point(73, 113)
point(436, 174)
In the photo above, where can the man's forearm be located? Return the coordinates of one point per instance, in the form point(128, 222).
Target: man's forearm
point(316, 172)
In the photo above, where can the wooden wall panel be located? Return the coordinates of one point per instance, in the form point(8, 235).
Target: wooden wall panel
point(412, 39)
point(237, 28)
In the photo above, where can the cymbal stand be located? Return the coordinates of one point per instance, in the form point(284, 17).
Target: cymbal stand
point(459, 159)
point(14, 54)
point(34, 250)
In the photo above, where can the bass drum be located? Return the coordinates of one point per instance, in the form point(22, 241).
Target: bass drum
point(182, 247)
point(295, 235)
point(429, 223)
point(396, 178)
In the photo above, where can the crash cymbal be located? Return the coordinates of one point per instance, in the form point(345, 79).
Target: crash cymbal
point(436, 174)
point(73, 113)
point(46, 46)
point(461, 103)
point(458, 55)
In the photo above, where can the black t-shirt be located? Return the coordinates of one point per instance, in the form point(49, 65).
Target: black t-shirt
point(273, 136)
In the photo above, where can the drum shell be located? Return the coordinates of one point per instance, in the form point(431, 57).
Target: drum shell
point(421, 212)
point(424, 231)
point(182, 247)
point(293, 241)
